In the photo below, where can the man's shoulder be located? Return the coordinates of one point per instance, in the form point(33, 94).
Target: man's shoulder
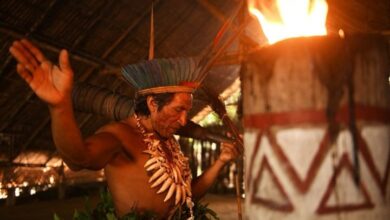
point(125, 132)
point(120, 129)
point(117, 128)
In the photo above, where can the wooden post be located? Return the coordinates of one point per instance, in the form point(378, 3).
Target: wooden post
point(11, 198)
point(317, 129)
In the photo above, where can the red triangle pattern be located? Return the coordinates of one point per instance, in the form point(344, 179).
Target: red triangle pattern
point(285, 207)
point(265, 121)
point(252, 160)
point(365, 152)
point(302, 185)
point(323, 208)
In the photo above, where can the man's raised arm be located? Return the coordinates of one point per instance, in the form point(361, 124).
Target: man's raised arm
point(53, 84)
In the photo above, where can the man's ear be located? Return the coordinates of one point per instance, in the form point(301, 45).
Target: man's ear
point(152, 105)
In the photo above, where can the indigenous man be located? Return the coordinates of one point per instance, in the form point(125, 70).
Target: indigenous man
point(143, 164)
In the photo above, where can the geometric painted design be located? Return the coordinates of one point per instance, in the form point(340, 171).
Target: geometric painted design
point(265, 121)
point(344, 195)
point(378, 137)
point(252, 159)
point(267, 190)
point(380, 167)
point(302, 184)
point(300, 146)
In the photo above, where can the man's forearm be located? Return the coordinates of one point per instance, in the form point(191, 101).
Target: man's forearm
point(66, 134)
point(204, 181)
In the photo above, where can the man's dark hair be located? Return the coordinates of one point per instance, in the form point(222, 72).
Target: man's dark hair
point(141, 107)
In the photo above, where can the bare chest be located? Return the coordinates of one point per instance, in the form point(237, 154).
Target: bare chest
point(128, 183)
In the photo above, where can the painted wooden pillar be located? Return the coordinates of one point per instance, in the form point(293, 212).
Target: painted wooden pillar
point(317, 129)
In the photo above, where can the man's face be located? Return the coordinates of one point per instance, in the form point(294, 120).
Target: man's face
point(173, 115)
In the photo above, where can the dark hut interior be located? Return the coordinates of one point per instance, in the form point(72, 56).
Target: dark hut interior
point(101, 37)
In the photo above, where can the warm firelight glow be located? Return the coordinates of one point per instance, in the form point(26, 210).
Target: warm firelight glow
point(281, 19)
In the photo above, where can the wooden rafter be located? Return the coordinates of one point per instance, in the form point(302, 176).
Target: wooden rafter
point(48, 45)
point(33, 28)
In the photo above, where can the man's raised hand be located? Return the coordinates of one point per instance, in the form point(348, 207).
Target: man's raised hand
point(51, 83)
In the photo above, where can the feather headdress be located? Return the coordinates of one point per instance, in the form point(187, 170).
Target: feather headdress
point(164, 75)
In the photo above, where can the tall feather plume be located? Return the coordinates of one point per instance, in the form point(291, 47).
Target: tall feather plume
point(164, 71)
point(182, 68)
point(151, 40)
point(190, 67)
point(174, 71)
point(155, 69)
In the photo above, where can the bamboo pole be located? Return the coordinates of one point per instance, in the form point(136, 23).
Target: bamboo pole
point(238, 194)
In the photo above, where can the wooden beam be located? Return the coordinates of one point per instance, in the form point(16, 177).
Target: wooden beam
point(46, 44)
point(33, 28)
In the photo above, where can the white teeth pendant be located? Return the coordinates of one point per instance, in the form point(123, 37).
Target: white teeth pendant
point(150, 162)
point(160, 180)
point(183, 194)
point(157, 174)
point(174, 176)
point(171, 190)
point(153, 166)
point(165, 186)
point(178, 194)
point(169, 171)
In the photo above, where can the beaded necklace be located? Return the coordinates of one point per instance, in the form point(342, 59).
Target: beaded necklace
point(169, 168)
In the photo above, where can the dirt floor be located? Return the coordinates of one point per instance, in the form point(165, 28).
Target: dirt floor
point(225, 206)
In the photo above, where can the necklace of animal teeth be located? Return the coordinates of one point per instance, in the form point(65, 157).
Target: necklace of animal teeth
point(169, 168)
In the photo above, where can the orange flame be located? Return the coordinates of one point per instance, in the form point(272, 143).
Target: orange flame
point(281, 19)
